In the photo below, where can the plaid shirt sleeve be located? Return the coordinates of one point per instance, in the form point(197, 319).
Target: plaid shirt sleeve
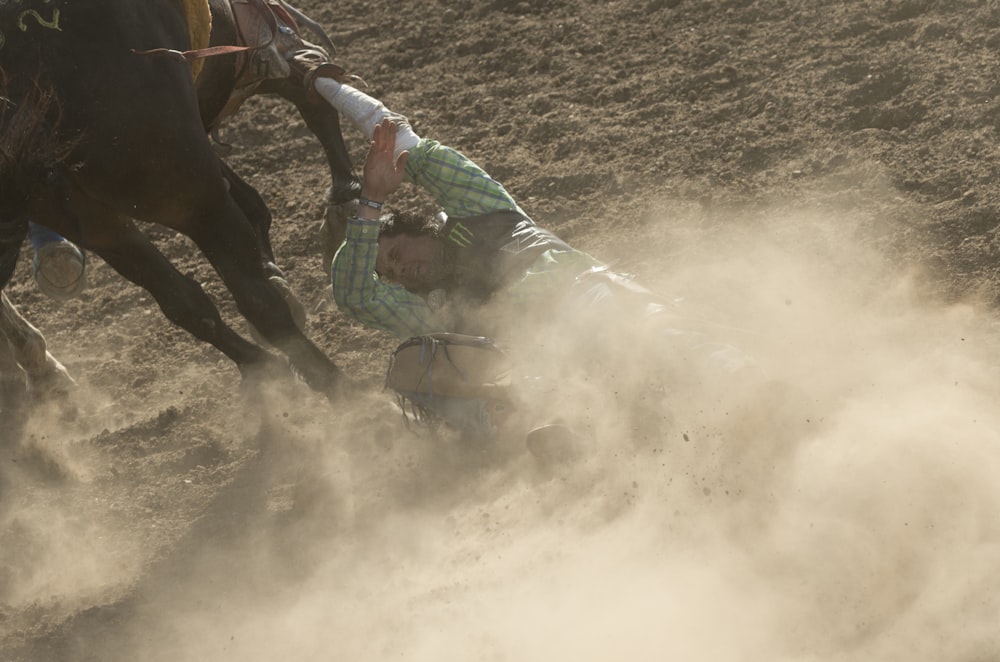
point(359, 292)
point(458, 185)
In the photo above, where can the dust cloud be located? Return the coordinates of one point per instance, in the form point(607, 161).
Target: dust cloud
point(843, 508)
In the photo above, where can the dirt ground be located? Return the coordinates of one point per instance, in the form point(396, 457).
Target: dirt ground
point(816, 178)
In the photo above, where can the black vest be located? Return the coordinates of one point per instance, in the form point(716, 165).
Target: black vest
point(484, 253)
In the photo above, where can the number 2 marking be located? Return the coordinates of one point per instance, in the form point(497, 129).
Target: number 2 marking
point(31, 13)
point(52, 25)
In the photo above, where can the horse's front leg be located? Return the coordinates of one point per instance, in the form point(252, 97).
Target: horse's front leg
point(253, 207)
point(46, 376)
point(221, 232)
point(13, 387)
point(324, 122)
point(341, 197)
point(23, 344)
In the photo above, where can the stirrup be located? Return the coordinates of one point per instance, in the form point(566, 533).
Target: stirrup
point(311, 63)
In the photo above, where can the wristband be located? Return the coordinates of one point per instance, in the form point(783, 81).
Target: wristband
point(369, 203)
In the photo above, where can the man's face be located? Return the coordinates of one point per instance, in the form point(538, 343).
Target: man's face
point(416, 263)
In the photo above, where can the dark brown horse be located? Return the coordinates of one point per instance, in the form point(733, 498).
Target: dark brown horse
point(94, 134)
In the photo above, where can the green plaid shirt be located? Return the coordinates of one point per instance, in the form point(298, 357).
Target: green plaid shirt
point(462, 189)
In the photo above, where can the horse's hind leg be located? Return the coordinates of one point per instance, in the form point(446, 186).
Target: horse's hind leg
point(183, 301)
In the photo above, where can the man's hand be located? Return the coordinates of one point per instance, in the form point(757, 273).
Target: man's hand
point(383, 171)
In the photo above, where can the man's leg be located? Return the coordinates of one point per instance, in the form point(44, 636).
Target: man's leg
point(59, 267)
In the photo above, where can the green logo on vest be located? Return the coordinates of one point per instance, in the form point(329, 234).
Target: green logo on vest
point(460, 235)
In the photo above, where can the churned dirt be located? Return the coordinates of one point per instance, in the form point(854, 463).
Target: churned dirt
point(817, 178)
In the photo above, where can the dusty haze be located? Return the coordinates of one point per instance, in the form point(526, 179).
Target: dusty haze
point(812, 181)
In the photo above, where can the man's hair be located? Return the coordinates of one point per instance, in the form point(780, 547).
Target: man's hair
point(402, 222)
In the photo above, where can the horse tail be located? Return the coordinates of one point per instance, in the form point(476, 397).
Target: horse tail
point(30, 150)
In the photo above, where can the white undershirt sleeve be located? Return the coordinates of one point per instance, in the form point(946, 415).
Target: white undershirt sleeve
point(365, 112)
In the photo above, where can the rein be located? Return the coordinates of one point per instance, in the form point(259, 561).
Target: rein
point(193, 55)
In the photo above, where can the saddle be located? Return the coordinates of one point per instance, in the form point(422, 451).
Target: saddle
point(269, 44)
point(268, 33)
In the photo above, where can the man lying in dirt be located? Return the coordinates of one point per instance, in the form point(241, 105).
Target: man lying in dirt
point(482, 266)
point(397, 272)
point(413, 276)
